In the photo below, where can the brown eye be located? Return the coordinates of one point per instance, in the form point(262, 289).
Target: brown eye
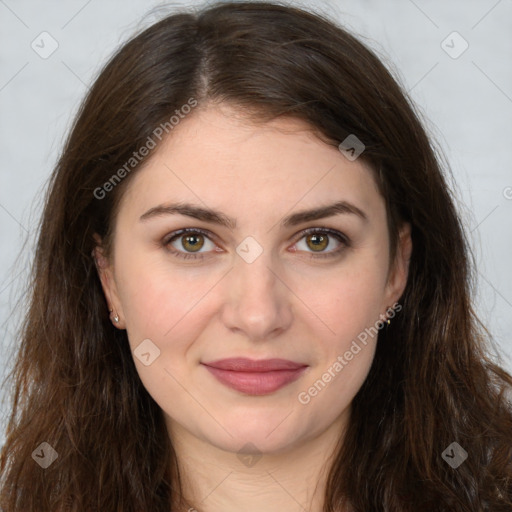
point(318, 241)
point(187, 243)
point(192, 242)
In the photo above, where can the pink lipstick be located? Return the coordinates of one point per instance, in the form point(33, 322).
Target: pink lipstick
point(255, 377)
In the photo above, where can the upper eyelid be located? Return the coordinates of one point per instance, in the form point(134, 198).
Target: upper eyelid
point(184, 231)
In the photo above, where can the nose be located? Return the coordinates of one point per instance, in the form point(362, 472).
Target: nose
point(257, 301)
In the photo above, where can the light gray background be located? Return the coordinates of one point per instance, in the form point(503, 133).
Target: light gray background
point(466, 103)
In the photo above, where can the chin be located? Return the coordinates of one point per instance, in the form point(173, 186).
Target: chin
point(260, 435)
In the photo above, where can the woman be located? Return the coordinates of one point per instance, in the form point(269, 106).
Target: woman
point(252, 290)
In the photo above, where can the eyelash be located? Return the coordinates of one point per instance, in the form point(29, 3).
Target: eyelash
point(325, 231)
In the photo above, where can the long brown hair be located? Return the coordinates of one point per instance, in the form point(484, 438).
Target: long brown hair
point(433, 381)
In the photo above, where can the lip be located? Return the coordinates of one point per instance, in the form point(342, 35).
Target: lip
point(255, 377)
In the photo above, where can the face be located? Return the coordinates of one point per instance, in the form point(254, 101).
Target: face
point(254, 280)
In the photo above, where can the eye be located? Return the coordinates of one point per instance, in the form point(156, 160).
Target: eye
point(319, 239)
point(188, 240)
point(187, 243)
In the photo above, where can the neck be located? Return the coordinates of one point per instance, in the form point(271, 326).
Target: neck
point(215, 480)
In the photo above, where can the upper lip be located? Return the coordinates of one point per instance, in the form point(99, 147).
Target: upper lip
point(243, 364)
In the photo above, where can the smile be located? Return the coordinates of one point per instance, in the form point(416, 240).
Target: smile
point(255, 377)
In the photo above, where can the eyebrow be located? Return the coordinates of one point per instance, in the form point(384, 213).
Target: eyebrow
point(217, 217)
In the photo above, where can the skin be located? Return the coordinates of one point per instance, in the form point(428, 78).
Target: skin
point(285, 304)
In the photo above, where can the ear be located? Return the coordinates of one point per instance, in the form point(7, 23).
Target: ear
point(106, 274)
point(399, 271)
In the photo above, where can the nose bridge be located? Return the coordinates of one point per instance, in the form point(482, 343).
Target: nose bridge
point(257, 276)
point(254, 264)
point(256, 302)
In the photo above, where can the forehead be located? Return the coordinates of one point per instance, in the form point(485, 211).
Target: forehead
point(218, 156)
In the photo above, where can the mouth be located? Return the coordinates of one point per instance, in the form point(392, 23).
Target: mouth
point(255, 377)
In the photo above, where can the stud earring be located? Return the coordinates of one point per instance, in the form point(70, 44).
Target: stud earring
point(388, 321)
point(116, 318)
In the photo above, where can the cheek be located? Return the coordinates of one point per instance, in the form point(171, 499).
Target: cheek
point(348, 299)
point(165, 308)
point(332, 386)
point(345, 352)
point(348, 303)
point(164, 304)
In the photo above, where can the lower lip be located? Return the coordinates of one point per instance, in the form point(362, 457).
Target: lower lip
point(256, 383)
